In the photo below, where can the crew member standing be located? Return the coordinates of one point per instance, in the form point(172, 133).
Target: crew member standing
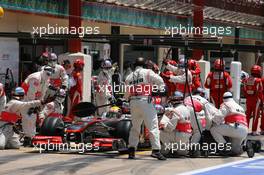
point(59, 78)
point(35, 86)
point(195, 70)
point(76, 86)
point(180, 77)
point(253, 92)
point(219, 82)
point(140, 84)
point(171, 87)
point(262, 109)
point(104, 90)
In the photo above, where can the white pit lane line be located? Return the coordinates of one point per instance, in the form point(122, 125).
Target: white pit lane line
point(220, 166)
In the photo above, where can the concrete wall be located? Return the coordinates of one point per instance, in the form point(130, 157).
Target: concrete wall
point(23, 22)
point(247, 58)
point(14, 22)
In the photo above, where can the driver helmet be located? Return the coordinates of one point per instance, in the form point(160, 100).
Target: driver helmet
point(18, 93)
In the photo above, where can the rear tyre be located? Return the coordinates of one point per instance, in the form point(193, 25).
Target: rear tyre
point(250, 149)
point(123, 128)
point(52, 127)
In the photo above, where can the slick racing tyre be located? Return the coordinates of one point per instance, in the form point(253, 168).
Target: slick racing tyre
point(52, 126)
point(257, 146)
point(123, 129)
point(249, 149)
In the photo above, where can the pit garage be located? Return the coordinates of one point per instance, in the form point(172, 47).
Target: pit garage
point(122, 30)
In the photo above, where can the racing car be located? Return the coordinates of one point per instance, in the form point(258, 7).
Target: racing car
point(106, 133)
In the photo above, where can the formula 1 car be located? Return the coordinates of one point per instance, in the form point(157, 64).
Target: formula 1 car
point(106, 133)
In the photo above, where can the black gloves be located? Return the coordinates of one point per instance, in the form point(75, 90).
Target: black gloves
point(64, 87)
point(119, 102)
point(33, 110)
point(165, 62)
point(52, 88)
point(48, 100)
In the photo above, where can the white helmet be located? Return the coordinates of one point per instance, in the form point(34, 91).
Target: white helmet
point(181, 63)
point(47, 71)
point(227, 96)
point(177, 98)
point(106, 64)
point(61, 95)
point(52, 59)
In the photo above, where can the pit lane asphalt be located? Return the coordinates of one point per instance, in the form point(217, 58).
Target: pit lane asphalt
point(28, 162)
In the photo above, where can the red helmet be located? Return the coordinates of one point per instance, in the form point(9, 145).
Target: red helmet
point(45, 54)
point(166, 74)
point(172, 62)
point(218, 65)
point(256, 70)
point(191, 63)
point(78, 63)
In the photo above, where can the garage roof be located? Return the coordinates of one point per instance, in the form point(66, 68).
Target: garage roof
point(245, 12)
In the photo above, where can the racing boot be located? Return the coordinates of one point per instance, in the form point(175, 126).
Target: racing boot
point(172, 154)
point(225, 152)
point(194, 152)
point(131, 153)
point(158, 155)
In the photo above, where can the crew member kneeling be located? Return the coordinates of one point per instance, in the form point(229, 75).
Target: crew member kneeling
point(231, 122)
point(13, 111)
point(175, 127)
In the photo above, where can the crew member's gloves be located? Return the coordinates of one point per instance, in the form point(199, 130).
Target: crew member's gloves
point(48, 100)
point(115, 65)
point(161, 126)
point(31, 111)
point(171, 78)
point(64, 87)
point(112, 99)
point(36, 110)
point(165, 62)
point(164, 76)
point(119, 102)
point(52, 88)
point(183, 65)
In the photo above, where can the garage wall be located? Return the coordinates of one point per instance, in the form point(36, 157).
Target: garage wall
point(15, 21)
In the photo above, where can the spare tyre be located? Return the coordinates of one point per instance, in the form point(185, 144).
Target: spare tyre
point(52, 126)
point(123, 128)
